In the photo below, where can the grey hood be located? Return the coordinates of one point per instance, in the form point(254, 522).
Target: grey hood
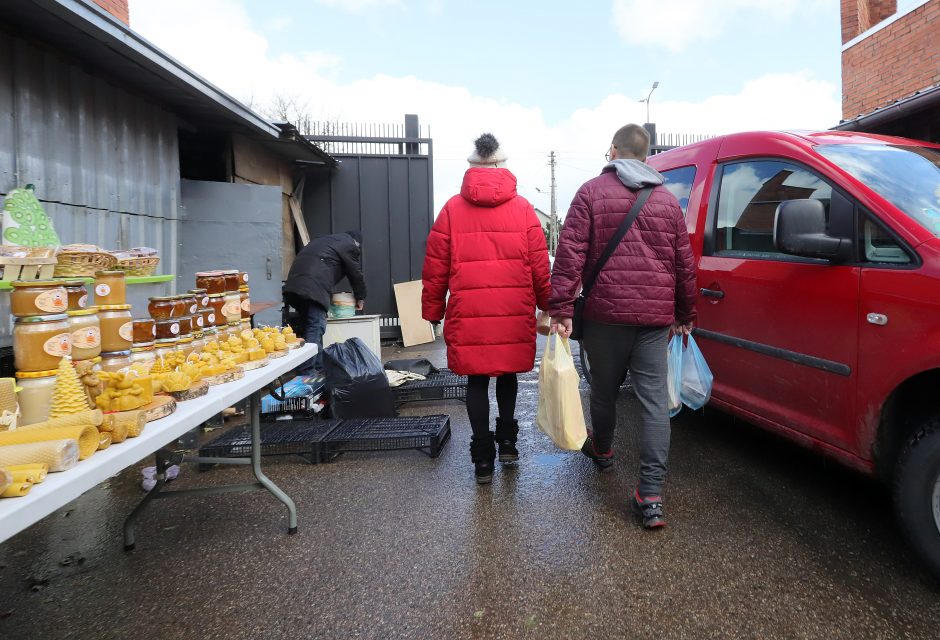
point(635, 174)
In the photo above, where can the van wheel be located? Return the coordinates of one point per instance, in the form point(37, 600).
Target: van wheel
point(917, 492)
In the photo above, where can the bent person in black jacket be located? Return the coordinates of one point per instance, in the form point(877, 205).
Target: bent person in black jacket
point(309, 286)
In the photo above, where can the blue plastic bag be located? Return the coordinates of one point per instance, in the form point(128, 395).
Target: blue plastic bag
point(696, 387)
point(674, 375)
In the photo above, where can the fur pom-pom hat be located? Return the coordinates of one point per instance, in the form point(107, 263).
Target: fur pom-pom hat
point(487, 153)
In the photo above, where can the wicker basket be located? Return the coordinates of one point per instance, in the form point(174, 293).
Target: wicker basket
point(84, 264)
point(138, 266)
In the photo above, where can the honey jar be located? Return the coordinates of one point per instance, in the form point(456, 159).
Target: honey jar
point(78, 294)
point(117, 328)
point(245, 302)
point(144, 330)
point(232, 309)
point(161, 307)
point(40, 342)
point(35, 395)
point(145, 354)
point(212, 281)
point(185, 345)
point(232, 280)
point(217, 304)
point(189, 303)
point(199, 321)
point(167, 329)
point(110, 288)
point(186, 326)
point(208, 317)
point(85, 333)
point(116, 360)
point(202, 297)
point(39, 297)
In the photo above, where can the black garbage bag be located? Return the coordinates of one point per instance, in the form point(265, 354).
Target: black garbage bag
point(357, 383)
point(421, 366)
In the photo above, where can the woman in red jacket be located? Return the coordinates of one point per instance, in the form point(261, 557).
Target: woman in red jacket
point(488, 250)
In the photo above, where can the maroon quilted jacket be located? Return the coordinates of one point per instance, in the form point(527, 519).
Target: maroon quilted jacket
point(650, 278)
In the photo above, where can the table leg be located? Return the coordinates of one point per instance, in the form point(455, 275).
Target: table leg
point(267, 483)
point(162, 464)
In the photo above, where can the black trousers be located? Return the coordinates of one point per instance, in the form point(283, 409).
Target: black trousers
point(478, 401)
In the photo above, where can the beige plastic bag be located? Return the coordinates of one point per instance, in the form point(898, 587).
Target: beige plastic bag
point(560, 416)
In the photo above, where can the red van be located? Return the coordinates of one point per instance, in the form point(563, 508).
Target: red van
point(819, 313)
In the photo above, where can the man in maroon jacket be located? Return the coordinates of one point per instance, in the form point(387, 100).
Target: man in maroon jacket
point(645, 291)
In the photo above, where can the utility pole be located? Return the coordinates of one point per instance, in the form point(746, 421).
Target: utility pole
point(553, 231)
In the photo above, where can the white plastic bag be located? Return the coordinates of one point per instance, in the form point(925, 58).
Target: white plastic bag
point(674, 353)
point(696, 377)
point(560, 415)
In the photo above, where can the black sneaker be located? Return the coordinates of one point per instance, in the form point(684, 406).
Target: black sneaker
point(650, 508)
point(483, 471)
point(604, 461)
point(507, 431)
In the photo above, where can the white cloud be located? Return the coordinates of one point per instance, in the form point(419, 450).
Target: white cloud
point(219, 42)
point(676, 24)
point(278, 23)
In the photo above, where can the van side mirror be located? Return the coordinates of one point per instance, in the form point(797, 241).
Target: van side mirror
point(800, 230)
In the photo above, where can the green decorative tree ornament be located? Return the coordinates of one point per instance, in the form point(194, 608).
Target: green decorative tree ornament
point(25, 223)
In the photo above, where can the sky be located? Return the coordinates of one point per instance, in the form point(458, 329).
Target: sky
point(540, 76)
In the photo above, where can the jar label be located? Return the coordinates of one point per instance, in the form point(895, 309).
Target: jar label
point(127, 331)
point(246, 305)
point(154, 331)
point(230, 309)
point(53, 301)
point(83, 301)
point(211, 318)
point(58, 346)
point(87, 338)
point(205, 302)
point(200, 322)
point(102, 290)
point(192, 309)
point(245, 278)
point(175, 328)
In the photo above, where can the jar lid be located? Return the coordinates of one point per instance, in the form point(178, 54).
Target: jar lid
point(94, 360)
point(216, 295)
point(230, 272)
point(185, 340)
point(243, 288)
point(197, 335)
point(165, 342)
point(144, 320)
point(200, 274)
point(109, 273)
point(161, 298)
point(26, 375)
point(237, 323)
point(49, 318)
point(73, 283)
point(142, 346)
point(82, 312)
point(36, 283)
point(116, 354)
point(114, 307)
point(198, 291)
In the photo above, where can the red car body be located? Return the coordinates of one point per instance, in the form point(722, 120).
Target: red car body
point(842, 356)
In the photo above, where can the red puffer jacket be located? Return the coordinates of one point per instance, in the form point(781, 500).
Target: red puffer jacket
point(487, 248)
point(650, 278)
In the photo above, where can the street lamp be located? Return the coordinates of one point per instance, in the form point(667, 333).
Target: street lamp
point(647, 100)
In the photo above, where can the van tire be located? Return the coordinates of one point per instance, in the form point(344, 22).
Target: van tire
point(916, 489)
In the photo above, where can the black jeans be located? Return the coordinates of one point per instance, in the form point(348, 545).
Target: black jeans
point(313, 317)
point(478, 401)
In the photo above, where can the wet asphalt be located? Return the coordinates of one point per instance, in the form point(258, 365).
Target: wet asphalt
point(765, 540)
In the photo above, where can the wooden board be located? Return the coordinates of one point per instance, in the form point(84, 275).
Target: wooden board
point(414, 328)
point(229, 376)
point(161, 407)
point(251, 365)
point(296, 345)
point(198, 390)
point(277, 354)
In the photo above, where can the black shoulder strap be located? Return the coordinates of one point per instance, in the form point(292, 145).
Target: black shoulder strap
point(641, 197)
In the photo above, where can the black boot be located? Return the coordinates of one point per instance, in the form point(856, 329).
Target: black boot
point(483, 454)
point(506, 433)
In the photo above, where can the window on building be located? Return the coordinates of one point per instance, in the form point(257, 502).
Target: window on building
point(748, 198)
point(679, 182)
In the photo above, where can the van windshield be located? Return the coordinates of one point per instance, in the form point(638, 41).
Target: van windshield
point(907, 176)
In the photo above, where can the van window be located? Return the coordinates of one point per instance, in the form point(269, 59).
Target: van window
point(879, 247)
point(679, 182)
point(748, 198)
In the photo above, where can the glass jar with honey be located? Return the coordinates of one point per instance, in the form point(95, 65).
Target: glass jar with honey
point(116, 360)
point(202, 297)
point(212, 281)
point(117, 327)
point(38, 298)
point(40, 342)
point(110, 288)
point(78, 294)
point(232, 280)
point(85, 333)
point(35, 395)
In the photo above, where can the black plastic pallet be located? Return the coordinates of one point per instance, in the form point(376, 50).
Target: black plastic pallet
point(427, 434)
point(444, 385)
point(302, 438)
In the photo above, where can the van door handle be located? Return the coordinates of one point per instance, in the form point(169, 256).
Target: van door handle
point(712, 293)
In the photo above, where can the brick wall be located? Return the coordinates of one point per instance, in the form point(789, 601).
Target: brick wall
point(117, 8)
point(859, 16)
point(892, 63)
